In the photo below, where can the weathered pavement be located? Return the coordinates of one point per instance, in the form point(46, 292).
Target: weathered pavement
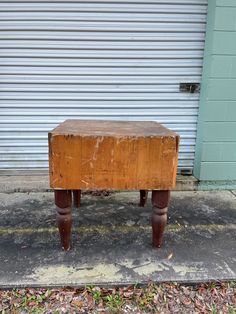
point(112, 240)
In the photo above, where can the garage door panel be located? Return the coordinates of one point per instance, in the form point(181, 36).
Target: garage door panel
point(116, 60)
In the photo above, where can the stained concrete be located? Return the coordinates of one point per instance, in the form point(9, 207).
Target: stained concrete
point(40, 183)
point(112, 240)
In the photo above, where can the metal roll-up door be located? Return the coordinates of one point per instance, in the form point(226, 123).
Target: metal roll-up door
point(95, 59)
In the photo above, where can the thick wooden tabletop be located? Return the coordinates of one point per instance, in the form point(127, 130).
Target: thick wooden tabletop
point(98, 154)
point(112, 128)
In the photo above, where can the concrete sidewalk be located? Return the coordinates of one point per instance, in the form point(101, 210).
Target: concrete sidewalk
point(112, 240)
point(40, 183)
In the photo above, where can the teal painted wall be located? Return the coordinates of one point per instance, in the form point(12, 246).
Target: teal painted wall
point(215, 157)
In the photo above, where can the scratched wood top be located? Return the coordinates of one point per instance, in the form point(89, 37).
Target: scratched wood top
point(112, 128)
point(112, 155)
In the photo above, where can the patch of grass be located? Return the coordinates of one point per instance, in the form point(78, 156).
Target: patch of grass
point(232, 310)
point(147, 297)
point(95, 292)
point(232, 284)
point(212, 285)
point(137, 285)
point(89, 287)
point(114, 301)
point(97, 295)
point(213, 309)
point(27, 300)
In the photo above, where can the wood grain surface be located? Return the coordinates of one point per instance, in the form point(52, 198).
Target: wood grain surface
point(112, 155)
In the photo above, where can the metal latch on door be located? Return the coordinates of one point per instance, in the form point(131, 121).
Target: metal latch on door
point(189, 87)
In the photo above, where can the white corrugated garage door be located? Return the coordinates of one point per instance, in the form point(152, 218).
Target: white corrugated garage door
point(96, 60)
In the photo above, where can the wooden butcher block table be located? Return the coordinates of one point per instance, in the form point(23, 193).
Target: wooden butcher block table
point(120, 155)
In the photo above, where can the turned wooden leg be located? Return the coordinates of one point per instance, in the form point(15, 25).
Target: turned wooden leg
point(76, 198)
point(64, 219)
point(143, 198)
point(160, 201)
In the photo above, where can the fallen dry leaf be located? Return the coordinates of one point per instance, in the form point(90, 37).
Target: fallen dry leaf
point(128, 294)
point(78, 303)
point(187, 301)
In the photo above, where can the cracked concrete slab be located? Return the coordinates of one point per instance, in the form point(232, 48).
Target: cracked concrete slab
point(112, 240)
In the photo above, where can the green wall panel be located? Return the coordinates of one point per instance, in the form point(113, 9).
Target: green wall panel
point(215, 157)
point(220, 111)
point(218, 171)
point(219, 151)
point(225, 3)
point(224, 43)
point(223, 66)
point(220, 131)
point(225, 19)
point(222, 89)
